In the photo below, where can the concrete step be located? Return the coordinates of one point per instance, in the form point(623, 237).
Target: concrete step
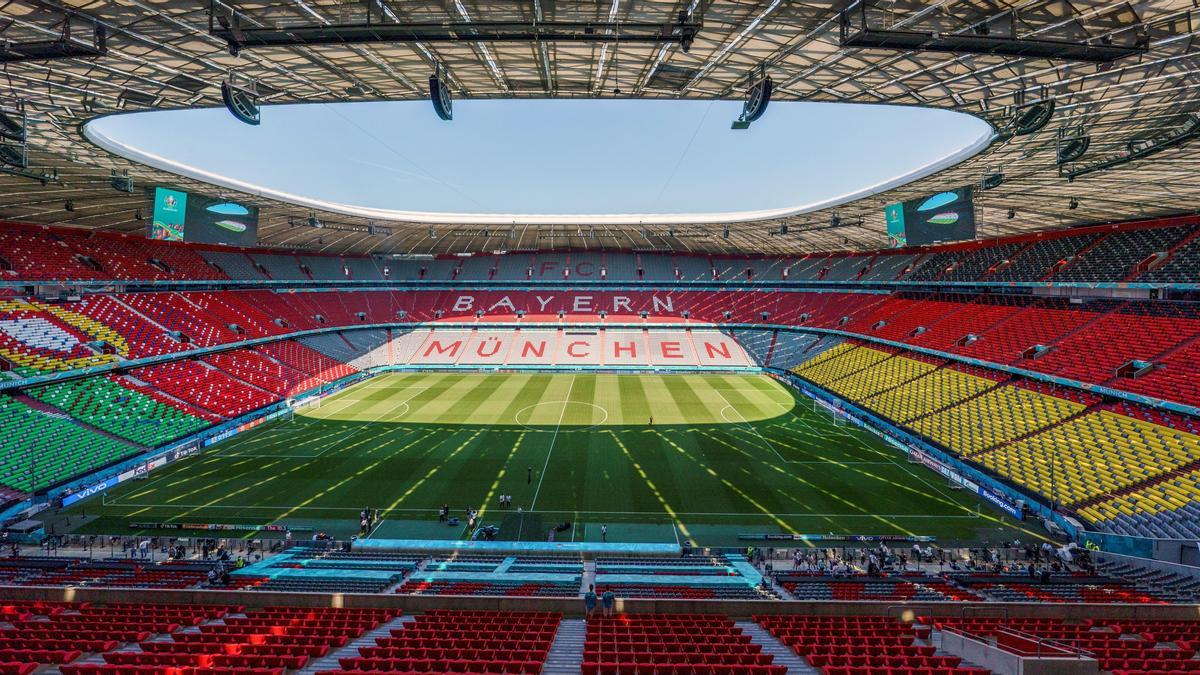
point(935, 639)
point(784, 655)
point(566, 652)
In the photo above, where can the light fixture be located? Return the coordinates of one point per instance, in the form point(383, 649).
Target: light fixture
point(1032, 118)
point(12, 125)
point(439, 95)
point(757, 99)
point(121, 181)
point(991, 181)
point(240, 95)
point(1072, 145)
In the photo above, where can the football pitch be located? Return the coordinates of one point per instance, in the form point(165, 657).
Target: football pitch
point(655, 458)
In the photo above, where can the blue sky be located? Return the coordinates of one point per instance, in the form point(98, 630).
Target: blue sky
point(555, 156)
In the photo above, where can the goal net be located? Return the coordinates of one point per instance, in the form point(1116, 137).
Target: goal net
point(301, 405)
point(310, 403)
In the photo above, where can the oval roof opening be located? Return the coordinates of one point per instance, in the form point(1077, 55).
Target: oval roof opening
point(553, 160)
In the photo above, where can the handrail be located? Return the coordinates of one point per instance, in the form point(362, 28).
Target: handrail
point(1052, 643)
point(909, 609)
point(1042, 644)
point(517, 284)
point(975, 611)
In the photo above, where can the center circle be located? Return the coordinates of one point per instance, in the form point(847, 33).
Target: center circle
point(522, 416)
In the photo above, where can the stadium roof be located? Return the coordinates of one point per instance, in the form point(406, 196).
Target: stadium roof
point(164, 54)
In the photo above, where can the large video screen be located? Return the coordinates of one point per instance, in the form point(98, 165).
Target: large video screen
point(945, 216)
point(187, 216)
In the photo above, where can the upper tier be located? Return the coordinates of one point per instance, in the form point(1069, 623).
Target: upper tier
point(1160, 251)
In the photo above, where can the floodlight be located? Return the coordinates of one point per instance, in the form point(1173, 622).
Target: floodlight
point(241, 99)
point(757, 99)
point(439, 95)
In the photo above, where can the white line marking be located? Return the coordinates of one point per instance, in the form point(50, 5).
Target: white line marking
point(360, 426)
point(517, 415)
point(549, 452)
point(746, 423)
point(432, 510)
point(376, 528)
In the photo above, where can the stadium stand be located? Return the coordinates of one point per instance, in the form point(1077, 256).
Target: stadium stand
point(142, 337)
point(621, 267)
point(205, 387)
point(912, 587)
point(321, 267)
point(933, 266)
point(477, 267)
point(1166, 509)
point(31, 252)
point(368, 269)
point(1059, 443)
point(885, 374)
point(757, 343)
point(175, 312)
point(997, 416)
point(1148, 251)
point(463, 641)
point(309, 570)
point(844, 268)
point(111, 573)
point(1116, 255)
point(943, 387)
point(235, 264)
point(985, 439)
point(694, 577)
point(232, 312)
point(1040, 259)
point(1138, 346)
point(693, 268)
point(976, 265)
point(280, 267)
point(253, 368)
point(886, 267)
point(41, 448)
point(840, 645)
point(39, 337)
point(273, 639)
point(1090, 455)
point(657, 642)
point(104, 404)
point(1002, 331)
point(512, 576)
point(307, 361)
point(792, 348)
point(1178, 265)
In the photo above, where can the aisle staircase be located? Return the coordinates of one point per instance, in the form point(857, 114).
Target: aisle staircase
point(566, 652)
point(784, 656)
point(367, 639)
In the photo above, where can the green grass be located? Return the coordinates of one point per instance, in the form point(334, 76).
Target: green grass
point(726, 454)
